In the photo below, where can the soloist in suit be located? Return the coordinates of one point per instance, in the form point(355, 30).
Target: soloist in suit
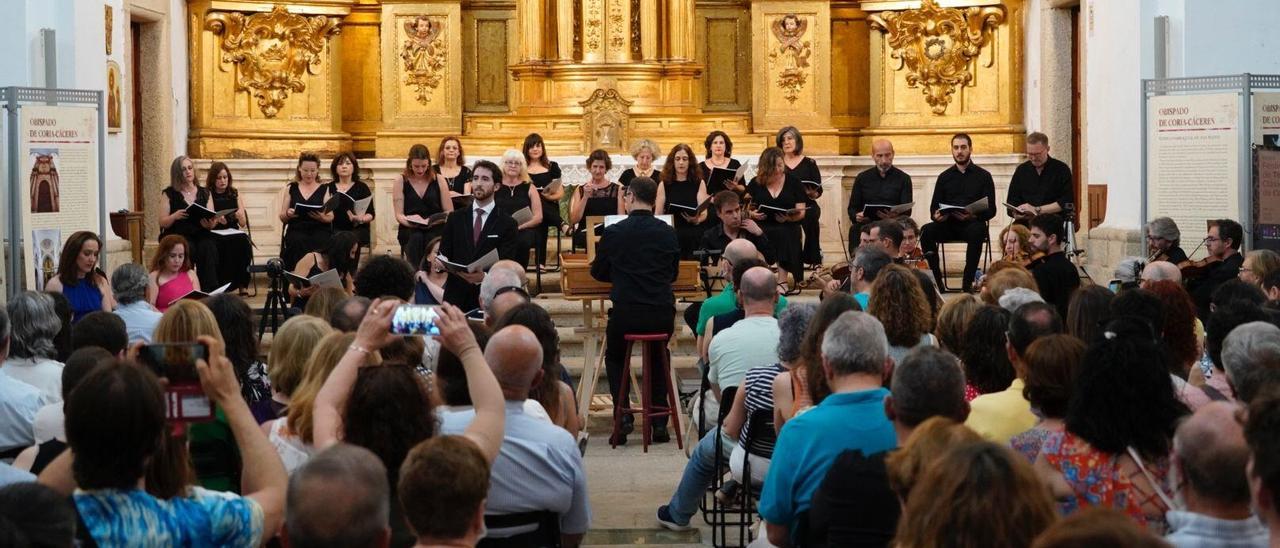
point(459, 245)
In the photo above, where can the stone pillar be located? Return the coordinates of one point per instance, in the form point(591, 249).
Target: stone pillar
point(791, 59)
point(421, 74)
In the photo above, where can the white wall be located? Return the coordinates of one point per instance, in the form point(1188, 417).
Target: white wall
point(179, 84)
point(1112, 73)
point(1031, 64)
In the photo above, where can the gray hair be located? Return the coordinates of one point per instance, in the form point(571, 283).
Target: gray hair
point(1163, 227)
point(129, 283)
point(354, 476)
point(1014, 298)
point(639, 146)
point(928, 383)
point(792, 324)
point(871, 259)
point(496, 279)
point(855, 343)
point(1251, 357)
point(1129, 269)
point(35, 324)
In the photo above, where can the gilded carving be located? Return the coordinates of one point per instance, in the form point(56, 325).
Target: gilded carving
point(594, 25)
point(272, 51)
point(423, 54)
point(109, 15)
point(604, 120)
point(938, 45)
point(793, 51)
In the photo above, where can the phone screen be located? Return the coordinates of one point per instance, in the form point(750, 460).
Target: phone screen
point(1114, 286)
point(185, 400)
point(415, 319)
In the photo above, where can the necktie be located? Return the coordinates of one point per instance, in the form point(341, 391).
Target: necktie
point(475, 230)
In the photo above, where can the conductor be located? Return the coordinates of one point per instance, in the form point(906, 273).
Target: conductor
point(640, 256)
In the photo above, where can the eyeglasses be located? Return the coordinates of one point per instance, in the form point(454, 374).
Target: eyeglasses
point(1211, 239)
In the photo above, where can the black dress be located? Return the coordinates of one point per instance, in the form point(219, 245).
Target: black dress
point(630, 173)
point(511, 199)
point(341, 221)
point(302, 234)
point(204, 253)
point(785, 236)
point(550, 212)
point(807, 170)
point(413, 239)
point(459, 182)
point(234, 251)
point(685, 193)
point(707, 170)
point(600, 202)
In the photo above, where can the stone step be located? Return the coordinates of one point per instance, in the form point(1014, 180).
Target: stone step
point(655, 536)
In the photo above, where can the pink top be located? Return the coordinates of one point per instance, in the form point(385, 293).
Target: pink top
point(180, 285)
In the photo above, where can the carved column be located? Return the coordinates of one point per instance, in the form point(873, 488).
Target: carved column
point(680, 30)
point(421, 74)
point(564, 30)
point(530, 15)
point(265, 80)
point(649, 30)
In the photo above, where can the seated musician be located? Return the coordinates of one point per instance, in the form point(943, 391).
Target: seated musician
point(1164, 241)
point(1054, 273)
point(887, 234)
point(640, 257)
point(1222, 264)
point(733, 225)
point(1041, 184)
point(1015, 244)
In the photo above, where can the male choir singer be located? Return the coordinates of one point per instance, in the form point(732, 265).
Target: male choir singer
point(959, 186)
point(882, 185)
point(640, 256)
point(473, 231)
point(1040, 185)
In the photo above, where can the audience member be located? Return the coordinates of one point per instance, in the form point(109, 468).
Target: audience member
point(855, 505)
point(500, 291)
point(1128, 273)
point(995, 284)
point(1271, 286)
point(898, 301)
point(1262, 433)
point(50, 424)
point(443, 486)
point(723, 321)
point(1211, 455)
point(384, 275)
point(339, 498)
point(347, 315)
point(737, 251)
point(1097, 527)
point(998, 416)
point(927, 442)
point(1089, 311)
point(855, 358)
point(1051, 365)
point(129, 283)
point(553, 394)
point(1234, 291)
point(786, 392)
point(986, 361)
point(977, 494)
point(32, 354)
point(104, 330)
point(62, 341)
point(1258, 264)
point(115, 423)
point(1179, 332)
point(808, 383)
point(1015, 297)
point(291, 346)
point(19, 401)
point(952, 321)
point(931, 293)
point(868, 261)
point(1159, 271)
point(751, 342)
point(33, 515)
point(1222, 322)
point(322, 303)
point(235, 322)
point(1119, 423)
point(1251, 357)
point(292, 435)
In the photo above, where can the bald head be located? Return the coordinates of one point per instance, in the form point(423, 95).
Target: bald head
point(759, 287)
point(514, 267)
point(1158, 271)
point(515, 356)
point(502, 303)
point(1211, 451)
point(740, 250)
point(882, 153)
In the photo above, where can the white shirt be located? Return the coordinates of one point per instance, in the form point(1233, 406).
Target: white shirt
point(42, 373)
point(751, 342)
point(140, 319)
point(19, 403)
point(50, 423)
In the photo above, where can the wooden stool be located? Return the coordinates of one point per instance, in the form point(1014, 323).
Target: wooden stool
point(647, 409)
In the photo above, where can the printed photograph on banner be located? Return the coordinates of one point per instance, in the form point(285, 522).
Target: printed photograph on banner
point(44, 180)
point(47, 247)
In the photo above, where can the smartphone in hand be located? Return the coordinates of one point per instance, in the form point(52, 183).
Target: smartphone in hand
point(415, 319)
point(175, 364)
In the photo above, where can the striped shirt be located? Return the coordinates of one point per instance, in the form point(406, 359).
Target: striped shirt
point(759, 387)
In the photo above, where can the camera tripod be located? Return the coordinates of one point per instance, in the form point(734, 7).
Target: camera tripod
point(275, 305)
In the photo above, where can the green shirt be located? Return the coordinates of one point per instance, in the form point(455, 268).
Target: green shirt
point(726, 301)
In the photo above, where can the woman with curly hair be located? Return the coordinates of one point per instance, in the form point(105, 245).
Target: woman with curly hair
point(1119, 431)
point(898, 301)
point(986, 362)
point(1179, 334)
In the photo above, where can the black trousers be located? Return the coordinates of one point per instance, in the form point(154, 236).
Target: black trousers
point(812, 253)
point(635, 320)
point(204, 254)
point(234, 255)
point(973, 233)
point(786, 240)
point(550, 218)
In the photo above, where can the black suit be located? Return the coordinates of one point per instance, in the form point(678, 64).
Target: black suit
point(457, 245)
point(1202, 288)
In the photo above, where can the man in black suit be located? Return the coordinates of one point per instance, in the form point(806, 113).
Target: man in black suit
point(1055, 274)
point(640, 256)
point(960, 185)
point(461, 244)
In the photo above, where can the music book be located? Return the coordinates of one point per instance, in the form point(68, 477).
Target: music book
point(780, 210)
point(461, 200)
point(478, 265)
point(692, 210)
point(978, 206)
point(522, 216)
point(722, 177)
point(196, 294)
point(228, 232)
point(436, 219)
point(200, 213)
point(872, 211)
point(552, 188)
point(303, 207)
point(328, 278)
point(359, 207)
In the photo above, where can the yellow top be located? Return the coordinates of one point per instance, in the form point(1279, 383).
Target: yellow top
point(999, 416)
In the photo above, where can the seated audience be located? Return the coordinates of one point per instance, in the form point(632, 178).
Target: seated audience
point(1159, 271)
point(501, 291)
point(50, 424)
point(898, 301)
point(1128, 273)
point(1149, 307)
point(116, 422)
point(235, 322)
point(172, 273)
point(1234, 291)
point(385, 275)
point(347, 314)
point(1120, 422)
point(977, 494)
point(1262, 433)
point(1097, 528)
point(723, 321)
point(798, 389)
point(952, 321)
point(1251, 358)
point(104, 330)
point(62, 341)
point(726, 300)
point(33, 515)
point(751, 342)
point(996, 283)
point(1014, 298)
point(855, 355)
point(1210, 454)
point(1089, 311)
point(443, 485)
point(323, 301)
point(926, 443)
point(998, 416)
point(292, 435)
point(986, 362)
point(855, 505)
point(553, 394)
point(1179, 332)
point(1258, 264)
point(129, 283)
point(1271, 286)
point(1051, 366)
point(339, 498)
point(291, 347)
point(19, 401)
point(33, 325)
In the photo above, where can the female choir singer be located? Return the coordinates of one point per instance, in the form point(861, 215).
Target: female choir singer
point(181, 193)
point(644, 152)
point(172, 274)
point(418, 194)
point(79, 279)
point(805, 169)
point(345, 170)
point(516, 193)
point(778, 203)
point(339, 253)
point(428, 287)
point(543, 172)
point(597, 197)
point(719, 156)
point(306, 224)
point(235, 252)
point(453, 167)
point(681, 191)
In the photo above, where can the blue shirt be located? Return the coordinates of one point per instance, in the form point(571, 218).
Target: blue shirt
point(810, 443)
point(201, 518)
point(1191, 530)
point(140, 319)
point(84, 296)
point(863, 298)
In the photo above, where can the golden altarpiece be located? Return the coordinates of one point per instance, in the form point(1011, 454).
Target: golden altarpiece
point(269, 78)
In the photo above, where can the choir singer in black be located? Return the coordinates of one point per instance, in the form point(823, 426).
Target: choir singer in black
point(640, 256)
point(1040, 185)
point(959, 186)
point(883, 185)
point(473, 231)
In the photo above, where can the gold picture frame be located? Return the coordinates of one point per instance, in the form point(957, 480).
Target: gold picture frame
point(115, 110)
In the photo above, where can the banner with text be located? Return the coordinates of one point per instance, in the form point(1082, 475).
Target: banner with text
point(1266, 120)
point(59, 151)
point(1266, 199)
point(1193, 161)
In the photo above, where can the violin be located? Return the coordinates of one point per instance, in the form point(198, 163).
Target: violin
point(1158, 255)
point(1035, 259)
point(915, 259)
point(1195, 269)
